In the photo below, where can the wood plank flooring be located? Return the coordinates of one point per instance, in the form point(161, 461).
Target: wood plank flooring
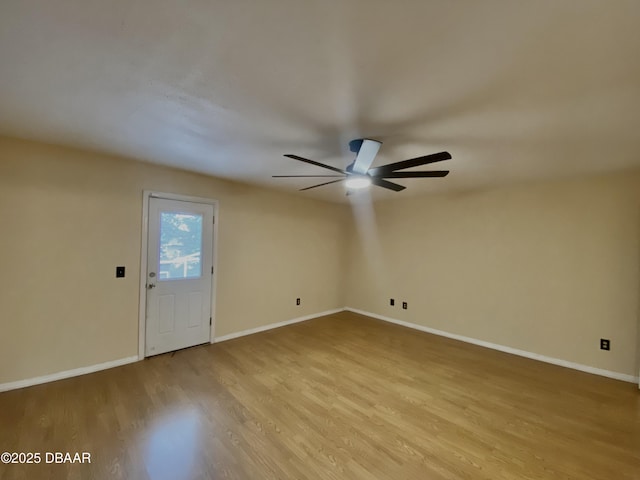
point(340, 397)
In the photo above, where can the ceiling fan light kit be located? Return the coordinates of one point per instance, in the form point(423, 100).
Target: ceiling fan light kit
point(357, 182)
point(360, 175)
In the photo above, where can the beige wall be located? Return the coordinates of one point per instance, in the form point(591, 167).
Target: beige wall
point(68, 217)
point(547, 268)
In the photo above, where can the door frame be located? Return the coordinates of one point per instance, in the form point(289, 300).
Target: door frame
point(142, 309)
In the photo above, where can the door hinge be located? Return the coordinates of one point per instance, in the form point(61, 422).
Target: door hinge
point(210, 321)
point(211, 270)
point(214, 220)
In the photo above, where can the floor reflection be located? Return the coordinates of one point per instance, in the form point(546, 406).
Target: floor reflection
point(172, 447)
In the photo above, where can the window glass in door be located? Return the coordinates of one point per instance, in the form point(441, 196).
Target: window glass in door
point(180, 252)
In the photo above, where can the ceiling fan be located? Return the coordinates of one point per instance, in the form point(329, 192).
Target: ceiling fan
point(360, 174)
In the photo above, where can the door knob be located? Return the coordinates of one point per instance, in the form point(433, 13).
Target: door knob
point(151, 285)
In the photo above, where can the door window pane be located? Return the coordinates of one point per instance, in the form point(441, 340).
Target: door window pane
point(180, 246)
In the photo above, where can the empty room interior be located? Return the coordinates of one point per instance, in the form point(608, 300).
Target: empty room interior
point(319, 240)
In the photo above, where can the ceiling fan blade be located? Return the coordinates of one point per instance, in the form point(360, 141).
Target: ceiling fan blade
point(435, 173)
point(414, 162)
point(366, 155)
point(312, 162)
point(306, 176)
point(384, 184)
point(320, 185)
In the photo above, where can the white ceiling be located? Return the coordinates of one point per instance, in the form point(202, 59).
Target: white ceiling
point(514, 90)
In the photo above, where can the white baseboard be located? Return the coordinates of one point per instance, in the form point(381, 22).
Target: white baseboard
point(275, 325)
point(522, 353)
point(66, 374)
point(4, 387)
point(123, 361)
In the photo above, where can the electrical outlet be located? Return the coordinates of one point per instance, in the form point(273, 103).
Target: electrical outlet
point(404, 305)
point(119, 272)
point(605, 344)
point(297, 301)
point(392, 302)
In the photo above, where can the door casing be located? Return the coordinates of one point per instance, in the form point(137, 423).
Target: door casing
point(142, 309)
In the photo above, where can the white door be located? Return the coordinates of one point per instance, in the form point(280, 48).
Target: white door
point(179, 273)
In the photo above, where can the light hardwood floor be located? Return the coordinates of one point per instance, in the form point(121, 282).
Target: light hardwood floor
point(340, 397)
